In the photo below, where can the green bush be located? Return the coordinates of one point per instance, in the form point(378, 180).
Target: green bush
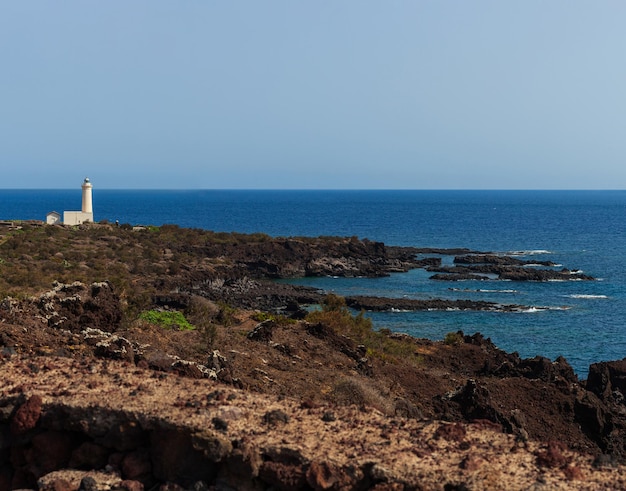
point(453, 338)
point(226, 314)
point(263, 316)
point(167, 319)
point(336, 315)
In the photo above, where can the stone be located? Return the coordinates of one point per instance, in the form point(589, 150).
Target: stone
point(27, 415)
point(58, 485)
point(606, 377)
point(88, 483)
point(322, 475)
point(275, 417)
point(130, 485)
point(136, 465)
point(552, 456)
point(49, 451)
point(89, 455)
point(283, 476)
point(262, 331)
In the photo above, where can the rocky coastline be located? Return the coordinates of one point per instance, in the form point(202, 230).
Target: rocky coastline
point(259, 394)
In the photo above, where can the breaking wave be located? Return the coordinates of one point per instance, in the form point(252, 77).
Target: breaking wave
point(482, 290)
point(533, 252)
point(584, 295)
point(535, 309)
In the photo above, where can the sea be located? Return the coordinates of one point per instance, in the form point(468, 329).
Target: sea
point(584, 321)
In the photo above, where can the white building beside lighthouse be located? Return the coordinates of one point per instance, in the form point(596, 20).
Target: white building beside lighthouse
point(86, 214)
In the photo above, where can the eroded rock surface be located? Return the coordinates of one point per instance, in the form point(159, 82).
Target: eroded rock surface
point(121, 427)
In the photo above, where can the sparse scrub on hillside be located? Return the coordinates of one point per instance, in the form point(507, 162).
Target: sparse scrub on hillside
point(167, 319)
point(453, 338)
point(278, 319)
point(362, 393)
point(336, 315)
point(226, 315)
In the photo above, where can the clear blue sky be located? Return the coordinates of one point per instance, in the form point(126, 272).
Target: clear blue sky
point(326, 94)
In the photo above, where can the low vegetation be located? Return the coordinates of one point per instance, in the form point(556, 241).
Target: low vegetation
point(453, 338)
point(335, 314)
point(138, 262)
point(167, 319)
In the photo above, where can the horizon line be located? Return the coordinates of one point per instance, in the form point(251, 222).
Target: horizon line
point(77, 188)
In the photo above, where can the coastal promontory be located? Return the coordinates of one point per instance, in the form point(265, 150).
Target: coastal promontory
point(168, 358)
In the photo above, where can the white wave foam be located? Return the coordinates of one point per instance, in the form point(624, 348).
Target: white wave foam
point(584, 295)
point(535, 309)
point(532, 252)
point(482, 290)
point(530, 310)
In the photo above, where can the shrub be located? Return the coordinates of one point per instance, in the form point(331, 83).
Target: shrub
point(336, 315)
point(209, 335)
point(453, 338)
point(361, 393)
point(266, 316)
point(226, 314)
point(262, 316)
point(167, 319)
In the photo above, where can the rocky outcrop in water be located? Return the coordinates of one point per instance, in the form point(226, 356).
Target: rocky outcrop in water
point(381, 304)
point(498, 267)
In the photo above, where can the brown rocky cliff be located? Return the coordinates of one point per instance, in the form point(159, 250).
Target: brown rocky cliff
point(139, 426)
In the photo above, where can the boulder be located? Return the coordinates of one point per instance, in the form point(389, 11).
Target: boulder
point(605, 378)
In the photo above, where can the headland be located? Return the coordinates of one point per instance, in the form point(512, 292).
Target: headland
point(168, 358)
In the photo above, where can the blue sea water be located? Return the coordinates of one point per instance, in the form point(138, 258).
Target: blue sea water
point(586, 230)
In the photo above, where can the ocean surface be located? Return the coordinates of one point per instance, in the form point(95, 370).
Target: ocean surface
point(581, 230)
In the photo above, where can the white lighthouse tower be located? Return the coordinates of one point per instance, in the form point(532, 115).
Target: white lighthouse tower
point(86, 214)
point(87, 204)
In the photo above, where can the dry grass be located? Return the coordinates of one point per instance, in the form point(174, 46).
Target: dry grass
point(363, 393)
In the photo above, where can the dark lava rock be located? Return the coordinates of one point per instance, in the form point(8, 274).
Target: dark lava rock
point(27, 415)
point(497, 259)
point(219, 424)
point(262, 331)
point(606, 377)
point(542, 368)
point(88, 484)
point(452, 432)
point(89, 455)
point(381, 304)
point(475, 403)
point(275, 417)
point(458, 277)
point(552, 456)
point(523, 274)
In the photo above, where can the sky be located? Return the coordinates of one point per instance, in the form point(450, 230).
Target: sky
point(352, 94)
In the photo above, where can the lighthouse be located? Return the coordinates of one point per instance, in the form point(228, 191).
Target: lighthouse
point(87, 204)
point(86, 213)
